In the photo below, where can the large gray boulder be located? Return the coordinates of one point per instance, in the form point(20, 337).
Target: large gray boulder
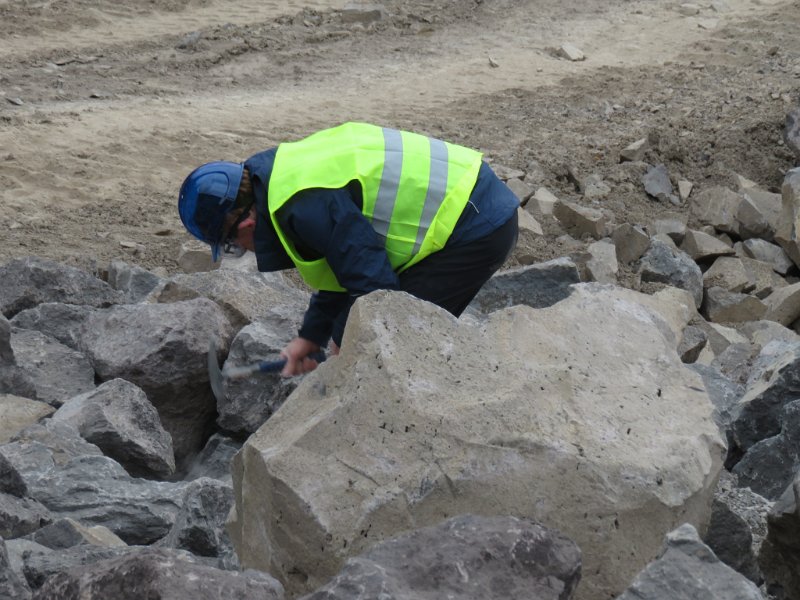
point(163, 349)
point(54, 371)
point(11, 584)
point(63, 322)
point(532, 414)
point(96, 490)
point(157, 573)
point(119, 419)
point(780, 553)
point(466, 557)
point(31, 280)
point(757, 415)
point(687, 568)
point(769, 466)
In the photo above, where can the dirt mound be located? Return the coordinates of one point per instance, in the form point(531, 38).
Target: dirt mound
point(105, 107)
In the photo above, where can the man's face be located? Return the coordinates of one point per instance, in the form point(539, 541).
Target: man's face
point(245, 231)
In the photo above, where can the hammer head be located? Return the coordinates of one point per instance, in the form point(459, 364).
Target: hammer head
point(215, 373)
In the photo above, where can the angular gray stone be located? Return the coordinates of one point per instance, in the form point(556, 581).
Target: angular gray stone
point(163, 349)
point(724, 394)
point(780, 553)
point(757, 416)
point(31, 280)
point(133, 281)
point(602, 266)
point(760, 214)
point(521, 190)
point(674, 227)
point(119, 419)
point(736, 360)
point(538, 285)
point(687, 568)
point(12, 586)
point(662, 264)
point(658, 185)
point(763, 332)
point(39, 562)
point(66, 533)
point(466, 557)
point(215, 459)
point(363, 13)
point(21, 516)
point(722, 306)
point(200, 524)
point(763, 278)
point(703, 247)
point(717, 206)
point(96, 490)
point(17, 413)
point(630, 242)
point(770, 465)
point(580, 220)
point(63, 322)
point(729, 537)
point(11, 482)
point(157, 573)
point(728, 273)
point(249, 402)
point(783, 305)
point(752, 221)
point(692, 343)
point(6, 351)
point(787, 234)
point(791, 131)
point(771, 254)
point(635, 151)
point(38, 447)
point(55, 371)
point(243, 296)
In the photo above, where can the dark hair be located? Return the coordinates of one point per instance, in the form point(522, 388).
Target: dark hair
point(244, 201)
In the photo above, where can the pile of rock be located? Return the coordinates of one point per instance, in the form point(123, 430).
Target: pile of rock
point(586, 423)
point(572, 409)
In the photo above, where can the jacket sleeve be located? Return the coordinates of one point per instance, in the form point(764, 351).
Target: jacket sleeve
point(325, 222)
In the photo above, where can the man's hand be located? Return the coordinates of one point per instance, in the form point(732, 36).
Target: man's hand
point(296, 354)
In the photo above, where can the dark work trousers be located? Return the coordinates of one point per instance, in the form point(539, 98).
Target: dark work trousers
point(453, 276)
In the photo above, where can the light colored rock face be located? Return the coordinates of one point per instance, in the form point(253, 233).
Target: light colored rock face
point(788, 232)
point(579, 415)
point(17, 413)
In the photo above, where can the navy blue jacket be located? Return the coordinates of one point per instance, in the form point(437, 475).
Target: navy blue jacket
point(329, 223)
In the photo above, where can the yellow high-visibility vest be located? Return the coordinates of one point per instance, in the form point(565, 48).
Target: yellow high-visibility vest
point(414, 188)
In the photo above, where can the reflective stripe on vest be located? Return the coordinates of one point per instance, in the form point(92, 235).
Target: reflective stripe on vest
point(390, 181)
point(413, 188)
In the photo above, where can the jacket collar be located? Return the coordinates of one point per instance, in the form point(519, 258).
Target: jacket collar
point(270, 254)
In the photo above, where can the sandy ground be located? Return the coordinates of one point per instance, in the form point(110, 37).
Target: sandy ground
point(106, 106)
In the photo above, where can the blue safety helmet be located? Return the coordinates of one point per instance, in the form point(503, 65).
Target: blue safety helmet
point(207, 195)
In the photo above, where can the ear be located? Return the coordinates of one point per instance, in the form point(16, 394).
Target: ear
point(249, 221)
